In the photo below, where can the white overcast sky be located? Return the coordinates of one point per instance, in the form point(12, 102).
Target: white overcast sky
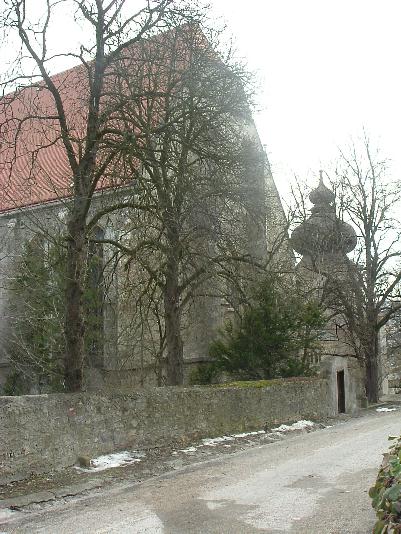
point(326, 69)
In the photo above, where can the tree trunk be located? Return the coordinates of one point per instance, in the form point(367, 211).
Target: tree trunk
point(74, 317)
point(172, 317)
point(372, 371)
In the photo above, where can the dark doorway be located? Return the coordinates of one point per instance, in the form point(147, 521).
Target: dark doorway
point(341, 391)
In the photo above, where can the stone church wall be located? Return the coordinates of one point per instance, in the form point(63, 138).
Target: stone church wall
point(42, 433)
point(129, 350)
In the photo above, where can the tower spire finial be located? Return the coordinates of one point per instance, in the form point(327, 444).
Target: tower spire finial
point(321, 176)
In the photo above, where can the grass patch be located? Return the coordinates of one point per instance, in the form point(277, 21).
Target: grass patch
point(248, 384)
point(263, 383)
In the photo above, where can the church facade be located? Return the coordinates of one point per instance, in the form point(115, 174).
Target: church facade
point(126, 311)
point(128, 356)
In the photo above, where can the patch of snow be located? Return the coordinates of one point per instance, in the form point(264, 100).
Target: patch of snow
point(299, 425)
point(222, 440)
point(212, 442)
point(116, 459)
point(245, 434)
point(5, 515)
point(212, 505)
point(190, 449)
point(386, 409)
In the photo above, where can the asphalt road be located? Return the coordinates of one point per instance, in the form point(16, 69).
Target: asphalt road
point(312, 483)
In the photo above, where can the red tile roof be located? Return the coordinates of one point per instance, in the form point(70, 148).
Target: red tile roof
point(33, 163)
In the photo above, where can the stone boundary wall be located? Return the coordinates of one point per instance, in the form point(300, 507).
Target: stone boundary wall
point(48, 432)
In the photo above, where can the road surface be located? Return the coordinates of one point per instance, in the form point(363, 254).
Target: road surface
point(314, 483)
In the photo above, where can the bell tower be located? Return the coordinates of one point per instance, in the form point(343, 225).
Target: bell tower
point(324, 240)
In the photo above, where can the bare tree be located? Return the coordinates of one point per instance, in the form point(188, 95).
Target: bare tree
point(372, 203)
point(44, 113)
point(199, 188)
point(364, 293)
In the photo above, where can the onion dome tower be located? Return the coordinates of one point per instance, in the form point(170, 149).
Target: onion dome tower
point(323, 236)
point(324, 241)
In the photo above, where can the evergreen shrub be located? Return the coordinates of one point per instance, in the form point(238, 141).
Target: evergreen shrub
point(386, 493)
point(275, 337)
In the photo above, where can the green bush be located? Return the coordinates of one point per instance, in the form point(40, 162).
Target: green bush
point(36, 342)
point(276, 336)
point(203, 374)
point(36, 345)
point(386, 493)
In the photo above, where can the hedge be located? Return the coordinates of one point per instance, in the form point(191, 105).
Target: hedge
point(386, 493)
